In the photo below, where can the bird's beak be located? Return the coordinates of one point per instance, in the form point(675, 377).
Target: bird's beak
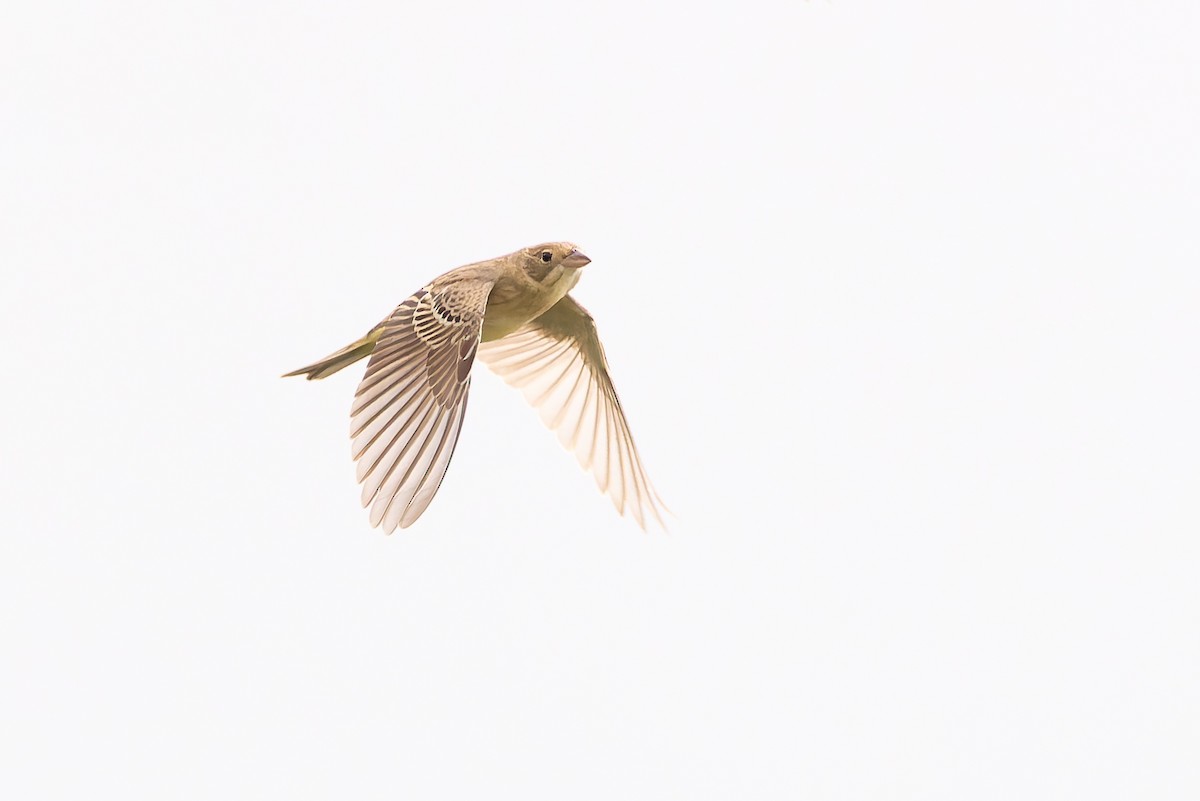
point(575, 260)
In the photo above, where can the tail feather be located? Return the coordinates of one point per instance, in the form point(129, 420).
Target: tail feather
point(342, 358)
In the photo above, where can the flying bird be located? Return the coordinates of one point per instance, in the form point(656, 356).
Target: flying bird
point(514, 313)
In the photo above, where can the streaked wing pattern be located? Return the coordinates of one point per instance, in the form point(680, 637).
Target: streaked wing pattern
point(409, 408)
point(558, 364)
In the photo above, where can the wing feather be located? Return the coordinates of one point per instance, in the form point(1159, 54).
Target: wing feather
point(408, 410)
point(557, 362)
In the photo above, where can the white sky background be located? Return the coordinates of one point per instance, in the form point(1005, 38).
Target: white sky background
point(901, 300)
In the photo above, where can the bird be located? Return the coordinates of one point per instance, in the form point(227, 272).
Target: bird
point(515, 315)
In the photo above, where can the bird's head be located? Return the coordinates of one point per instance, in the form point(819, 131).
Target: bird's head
point(540, 260)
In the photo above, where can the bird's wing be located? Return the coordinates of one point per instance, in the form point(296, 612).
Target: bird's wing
point(409, 408)
point(558, 363)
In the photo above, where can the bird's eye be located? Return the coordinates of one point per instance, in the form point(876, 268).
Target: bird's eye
point(546, 256)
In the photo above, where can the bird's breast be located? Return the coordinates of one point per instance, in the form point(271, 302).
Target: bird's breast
point(515, 301)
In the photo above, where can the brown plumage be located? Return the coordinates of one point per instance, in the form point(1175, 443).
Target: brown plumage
point(515, 314)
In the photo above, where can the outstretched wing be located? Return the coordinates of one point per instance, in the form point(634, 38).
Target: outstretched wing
point(409, 408)
point(558, 363)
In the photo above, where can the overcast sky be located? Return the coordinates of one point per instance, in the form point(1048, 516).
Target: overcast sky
point(901, 301)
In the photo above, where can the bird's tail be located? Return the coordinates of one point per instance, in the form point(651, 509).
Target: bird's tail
point(342, 358)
